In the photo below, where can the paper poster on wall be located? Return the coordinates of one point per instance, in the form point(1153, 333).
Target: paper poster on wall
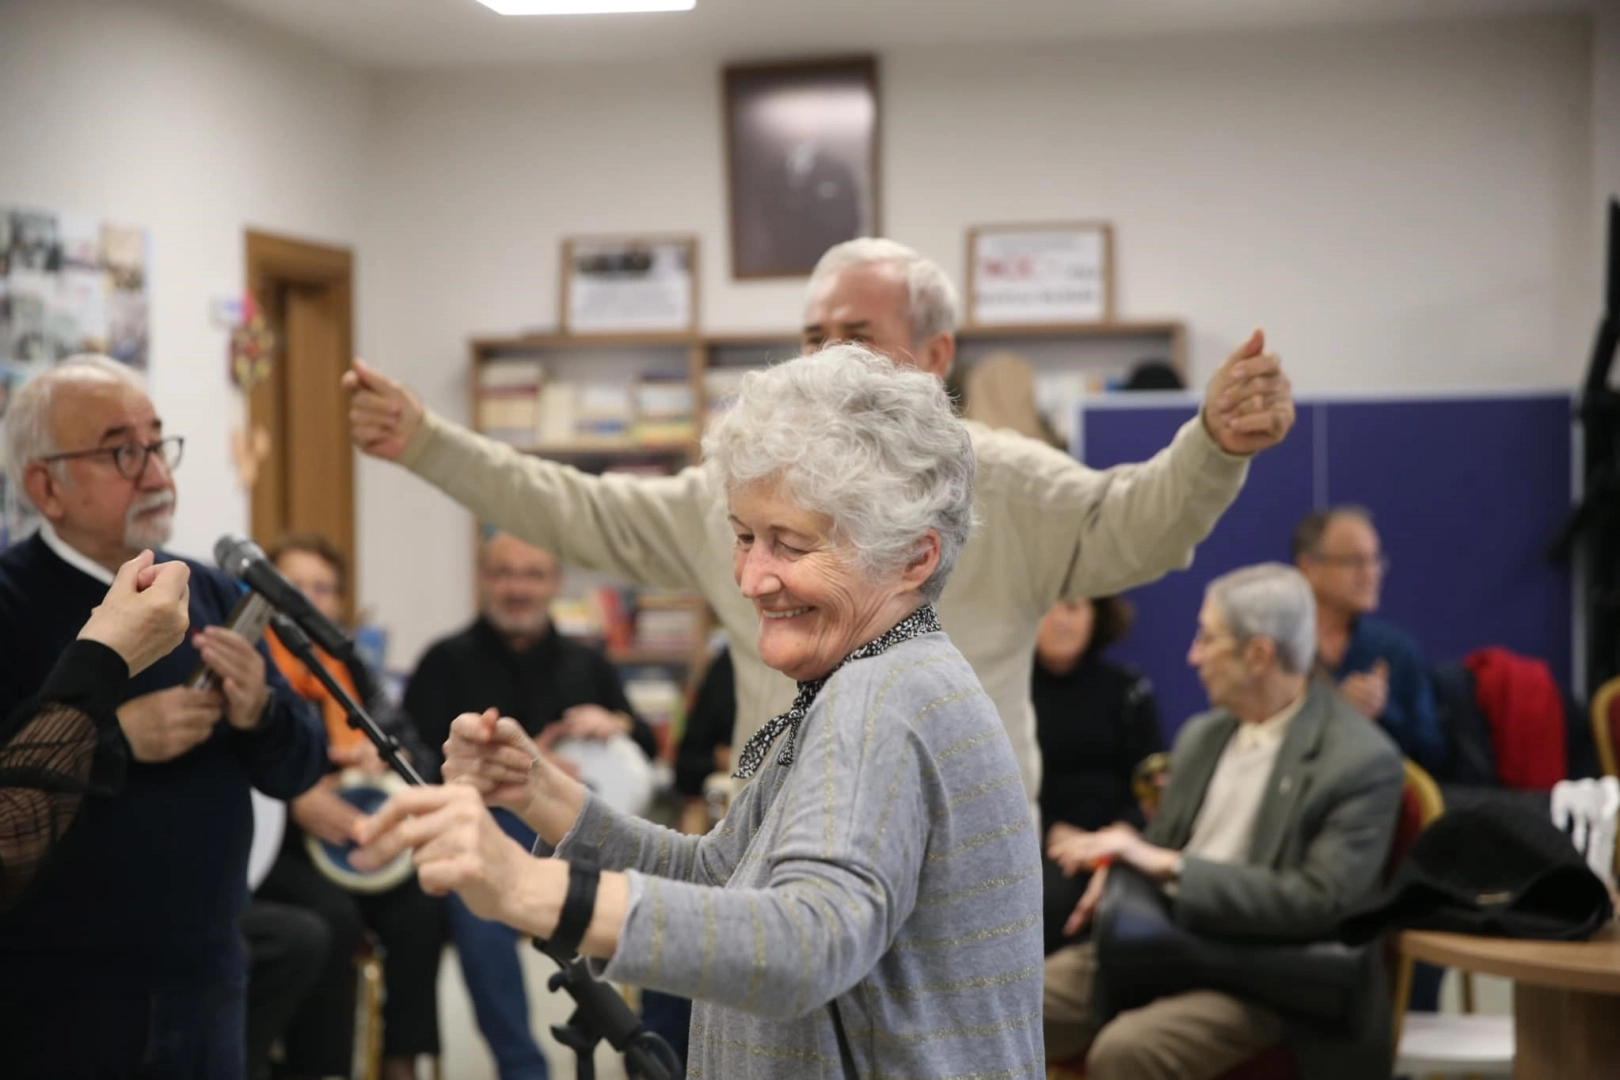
point(629, 286)
point(70, 284)
point(14, 522)
point(1040, 274)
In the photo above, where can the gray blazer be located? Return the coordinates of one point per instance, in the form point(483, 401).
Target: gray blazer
point(1320, 842)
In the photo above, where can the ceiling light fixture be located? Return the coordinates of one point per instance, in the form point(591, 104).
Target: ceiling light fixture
point(585, 7)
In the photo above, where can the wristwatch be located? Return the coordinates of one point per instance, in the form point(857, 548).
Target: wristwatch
point(1177, 867)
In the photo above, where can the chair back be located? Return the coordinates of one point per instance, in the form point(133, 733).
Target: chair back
point(1421, 803)
point(1606, 725)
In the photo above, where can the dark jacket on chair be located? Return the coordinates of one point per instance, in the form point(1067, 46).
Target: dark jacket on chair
point(1320, 841)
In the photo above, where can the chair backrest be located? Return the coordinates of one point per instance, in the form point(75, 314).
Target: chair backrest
point(1606, 725)
point(1148, 779)
point(1421, 803)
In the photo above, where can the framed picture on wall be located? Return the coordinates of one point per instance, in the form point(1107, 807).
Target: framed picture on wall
point(629, 285)
point(1035, 274)
point(801, 161)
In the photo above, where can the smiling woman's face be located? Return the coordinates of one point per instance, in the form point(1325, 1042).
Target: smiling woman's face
point(815, 605)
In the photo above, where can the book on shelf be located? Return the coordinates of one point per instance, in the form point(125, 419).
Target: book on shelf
point(508, 399)
point(615, 618)
point(554, 422)
point(650, 411)
point(663, 397)
point(668, 629)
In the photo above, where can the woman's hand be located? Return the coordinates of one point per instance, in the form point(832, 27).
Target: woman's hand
point(145, 613)
point(1060, 831)
point(1075, 850)
point(1087, 907)
point(362, 756)
point(492, 755)
point(456, 845)
point(322, 812)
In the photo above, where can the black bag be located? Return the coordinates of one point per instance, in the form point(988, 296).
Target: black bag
point(1497, 868)
point(1143, 954)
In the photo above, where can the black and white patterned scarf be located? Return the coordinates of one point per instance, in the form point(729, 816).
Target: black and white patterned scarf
point(757, 748)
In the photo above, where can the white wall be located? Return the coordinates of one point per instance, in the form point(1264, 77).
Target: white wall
point(1399, 208)
point(1605, 113)
point(197, 125)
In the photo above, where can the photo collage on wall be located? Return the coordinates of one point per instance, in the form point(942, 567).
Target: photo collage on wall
point(68, 284)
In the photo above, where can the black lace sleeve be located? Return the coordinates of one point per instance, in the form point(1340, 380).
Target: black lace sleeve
point(55, 750)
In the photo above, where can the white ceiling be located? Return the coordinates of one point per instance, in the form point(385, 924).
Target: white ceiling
point(439, 33)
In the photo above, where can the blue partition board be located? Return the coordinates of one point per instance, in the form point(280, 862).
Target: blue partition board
point(1467, 494)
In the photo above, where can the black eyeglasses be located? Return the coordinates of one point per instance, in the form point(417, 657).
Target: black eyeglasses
point(130, 458)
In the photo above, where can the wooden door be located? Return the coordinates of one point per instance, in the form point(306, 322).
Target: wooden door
point(307, 482)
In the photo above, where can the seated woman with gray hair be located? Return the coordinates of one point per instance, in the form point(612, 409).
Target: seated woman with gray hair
point(871, 905)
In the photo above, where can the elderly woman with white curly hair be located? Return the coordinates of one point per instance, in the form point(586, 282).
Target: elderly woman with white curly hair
point(871, 905)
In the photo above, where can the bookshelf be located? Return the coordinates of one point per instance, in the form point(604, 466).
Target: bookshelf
point(626, 403)
point(599, 422)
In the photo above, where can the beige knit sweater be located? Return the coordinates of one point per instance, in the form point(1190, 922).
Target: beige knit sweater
point(1049, 528)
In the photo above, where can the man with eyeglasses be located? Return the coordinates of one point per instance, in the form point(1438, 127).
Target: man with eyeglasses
point(125, 959)
point(1378, 666)
point(513, 659)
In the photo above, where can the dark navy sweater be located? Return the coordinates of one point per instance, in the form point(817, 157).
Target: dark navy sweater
point(149, 884)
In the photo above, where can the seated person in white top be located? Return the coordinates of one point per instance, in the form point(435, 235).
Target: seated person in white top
point(1277, 820)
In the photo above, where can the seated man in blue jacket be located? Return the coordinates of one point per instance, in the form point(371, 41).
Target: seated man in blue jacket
point(1275, 824)
point(1378, 666)
point(124, 959)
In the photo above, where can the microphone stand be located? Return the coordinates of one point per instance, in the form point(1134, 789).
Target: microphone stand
point(599, 1013)
point(299, 645)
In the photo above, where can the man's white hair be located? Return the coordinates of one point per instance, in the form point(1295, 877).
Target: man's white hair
point(869, 443)
point(28, 422)
point(934, 308)
point(1272, 601)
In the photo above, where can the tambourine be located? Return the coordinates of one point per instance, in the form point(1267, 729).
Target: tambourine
point(615, 770)
point(366, 792)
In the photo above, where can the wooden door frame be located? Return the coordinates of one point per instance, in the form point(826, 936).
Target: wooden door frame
point(273, 264)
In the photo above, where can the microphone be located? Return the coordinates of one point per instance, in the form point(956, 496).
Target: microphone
point(249, 618)
point(245, 561)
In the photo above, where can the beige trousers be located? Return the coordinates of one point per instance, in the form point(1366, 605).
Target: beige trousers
point(1192, 1036)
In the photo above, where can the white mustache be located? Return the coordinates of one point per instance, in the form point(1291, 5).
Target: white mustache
point(157, 500)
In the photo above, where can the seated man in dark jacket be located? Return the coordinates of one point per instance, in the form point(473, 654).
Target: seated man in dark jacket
point(1278, 817)
point(513, 658)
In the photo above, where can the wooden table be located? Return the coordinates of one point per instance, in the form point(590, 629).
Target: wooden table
point(1566, 996)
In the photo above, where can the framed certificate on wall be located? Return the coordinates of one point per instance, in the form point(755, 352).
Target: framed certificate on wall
point(1035, 274)
point(629, 285)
